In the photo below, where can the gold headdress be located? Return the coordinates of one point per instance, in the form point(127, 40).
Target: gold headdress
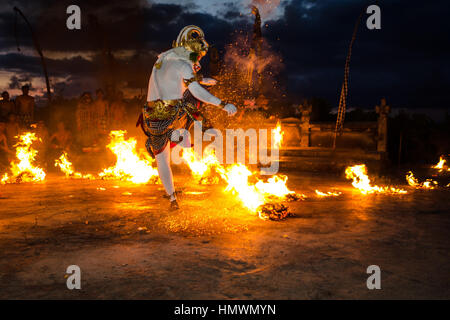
point(192, 38)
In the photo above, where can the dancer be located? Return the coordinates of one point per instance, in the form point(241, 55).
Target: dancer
point(174, 78)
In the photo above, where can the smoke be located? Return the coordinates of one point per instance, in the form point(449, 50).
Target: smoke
point(267, 8)
point(244, 74)
point(238, 55)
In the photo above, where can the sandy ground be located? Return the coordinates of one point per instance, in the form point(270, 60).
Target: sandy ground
point(129, 246)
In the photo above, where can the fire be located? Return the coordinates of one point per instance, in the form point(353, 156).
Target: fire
point(200, 166)
point(275, 186)
point(327, 194)
point(278, 135)
point(129, 165)
point(441, 166)
point(253, 195)
point(361, 181)
point(413, 182)
point(237, 178)
point(66, 167)
point(4, 179)
point(24, 170)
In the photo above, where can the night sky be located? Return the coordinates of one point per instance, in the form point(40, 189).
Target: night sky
point(407, 61)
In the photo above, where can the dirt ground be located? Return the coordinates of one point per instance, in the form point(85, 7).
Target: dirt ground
point(129, 246)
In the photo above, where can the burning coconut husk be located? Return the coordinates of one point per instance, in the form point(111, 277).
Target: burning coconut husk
point(257, 196)
point(274, 211)
point(252, 192)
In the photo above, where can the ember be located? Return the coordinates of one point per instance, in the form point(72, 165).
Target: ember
point(295, 197)
point(327, 194)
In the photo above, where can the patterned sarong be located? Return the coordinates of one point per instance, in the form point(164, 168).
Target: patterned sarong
point(159, 131)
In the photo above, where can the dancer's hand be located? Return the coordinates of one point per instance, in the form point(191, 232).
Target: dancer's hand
point(230, 109)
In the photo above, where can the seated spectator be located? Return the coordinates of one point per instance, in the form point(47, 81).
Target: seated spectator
point(117, 112)
point(100, 111)
point(85, 120)
point(6, 154)
point(6, 106)
point(12, 130)
point(62, 138)
point(25, 107)
point(41, 145)
point(3, 140)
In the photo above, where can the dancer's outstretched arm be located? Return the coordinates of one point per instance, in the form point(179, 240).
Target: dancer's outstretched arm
point(201, 93)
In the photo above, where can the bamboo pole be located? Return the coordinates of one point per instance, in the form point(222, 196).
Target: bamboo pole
point(38, 49)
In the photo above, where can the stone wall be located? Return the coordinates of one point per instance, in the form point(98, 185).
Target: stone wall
point(309, 145)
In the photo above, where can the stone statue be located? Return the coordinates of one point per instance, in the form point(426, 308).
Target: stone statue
point(305, 109)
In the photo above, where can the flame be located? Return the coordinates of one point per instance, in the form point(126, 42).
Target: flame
point(200, 166)
point(24, 170)
point(66, 167)
point(441, 166)
point(237, 178)
point(413, 182)
point(4, 179)
point(278, 135)
point(251, 195)
point(129, 165)
point(275, 186)
point(327, 194)
point(361, 181)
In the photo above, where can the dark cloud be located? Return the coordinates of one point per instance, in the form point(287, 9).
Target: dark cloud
point(16, 82)
point(406, 61)
point(408, 54)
